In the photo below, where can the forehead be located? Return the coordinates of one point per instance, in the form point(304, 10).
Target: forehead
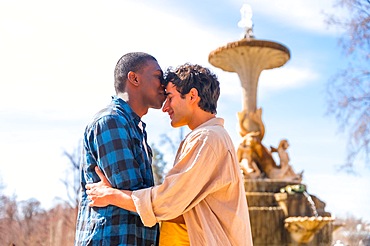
point(171, 88)
point(152, 66)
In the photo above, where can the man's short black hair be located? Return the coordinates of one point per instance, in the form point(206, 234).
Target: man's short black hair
point(134, 62)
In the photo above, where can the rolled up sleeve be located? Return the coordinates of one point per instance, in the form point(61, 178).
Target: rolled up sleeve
point(143, 203)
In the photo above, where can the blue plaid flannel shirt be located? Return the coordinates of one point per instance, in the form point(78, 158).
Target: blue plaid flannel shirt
point(114, 142)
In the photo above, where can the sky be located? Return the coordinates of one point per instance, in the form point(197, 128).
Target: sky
point(57, 60)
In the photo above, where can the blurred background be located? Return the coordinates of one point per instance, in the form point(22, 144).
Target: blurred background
point(57, 60)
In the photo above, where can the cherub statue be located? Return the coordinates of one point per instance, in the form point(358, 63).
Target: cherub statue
point(256, 160)
point(286, 168)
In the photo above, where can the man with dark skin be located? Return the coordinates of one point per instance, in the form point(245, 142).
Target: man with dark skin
point(116, 142)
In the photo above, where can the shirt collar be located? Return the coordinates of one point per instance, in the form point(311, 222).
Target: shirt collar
point(212, 122)
point(126, 108)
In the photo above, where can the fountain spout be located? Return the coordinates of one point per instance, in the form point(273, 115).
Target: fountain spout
point(282, 198)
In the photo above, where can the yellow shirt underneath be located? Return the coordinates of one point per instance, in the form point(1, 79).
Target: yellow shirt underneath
point(173, 234)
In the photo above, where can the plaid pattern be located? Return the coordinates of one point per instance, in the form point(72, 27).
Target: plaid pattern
point(114, 142)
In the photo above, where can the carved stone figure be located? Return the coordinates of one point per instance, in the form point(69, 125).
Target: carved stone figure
point(256, 160)
point(286, 168)
point(244, 155)
point(251, 123)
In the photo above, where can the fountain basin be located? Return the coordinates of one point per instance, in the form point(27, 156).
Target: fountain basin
point(303, 229)
point(267, 54)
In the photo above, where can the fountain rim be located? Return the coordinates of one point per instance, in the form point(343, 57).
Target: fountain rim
point(251, 42)
point(308, 218)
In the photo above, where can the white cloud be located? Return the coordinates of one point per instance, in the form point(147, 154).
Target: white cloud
point(270, 81)
point(58, 55)
point(286, 78)
point(68, 50)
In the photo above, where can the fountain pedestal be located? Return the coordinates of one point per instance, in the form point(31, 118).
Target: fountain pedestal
point(282, 219)
point(248, 58)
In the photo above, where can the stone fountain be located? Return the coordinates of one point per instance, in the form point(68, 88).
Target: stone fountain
point(281, 210)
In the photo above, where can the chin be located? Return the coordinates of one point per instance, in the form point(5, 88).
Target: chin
point(176, 124)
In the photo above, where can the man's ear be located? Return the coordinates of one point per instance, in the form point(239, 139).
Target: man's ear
point(132, 78)
point(194, 97)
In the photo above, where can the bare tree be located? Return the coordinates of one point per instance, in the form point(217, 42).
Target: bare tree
point(71, 180)
point(71, 183)
point(34, 225)
point(61, 232)
point(158, 165)
point(352, 231)
point(349, 90)
point(9, 220)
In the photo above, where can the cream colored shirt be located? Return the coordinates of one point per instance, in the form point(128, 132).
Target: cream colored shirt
point(206, 186)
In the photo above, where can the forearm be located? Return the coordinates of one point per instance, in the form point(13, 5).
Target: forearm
point(122, 199)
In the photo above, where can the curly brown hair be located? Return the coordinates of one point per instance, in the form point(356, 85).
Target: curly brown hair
point(188, 76)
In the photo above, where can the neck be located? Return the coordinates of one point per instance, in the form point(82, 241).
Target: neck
point(135, 105)
point(200, 118)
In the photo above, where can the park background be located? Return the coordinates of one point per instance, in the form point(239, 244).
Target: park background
point(57, 60)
